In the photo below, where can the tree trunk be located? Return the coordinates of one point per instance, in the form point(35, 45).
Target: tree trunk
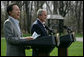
point(55, 7)
point(28, 16)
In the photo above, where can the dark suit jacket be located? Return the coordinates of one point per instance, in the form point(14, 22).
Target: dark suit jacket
point(38, 27)
point(15, 45)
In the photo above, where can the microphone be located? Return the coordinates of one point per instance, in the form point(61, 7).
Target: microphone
point(49, 30)
point(67, 28)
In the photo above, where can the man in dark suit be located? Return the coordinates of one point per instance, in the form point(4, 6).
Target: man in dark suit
point(15, 42)
point(39, 27)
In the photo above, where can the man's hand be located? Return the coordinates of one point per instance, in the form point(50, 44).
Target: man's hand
point(29, 38)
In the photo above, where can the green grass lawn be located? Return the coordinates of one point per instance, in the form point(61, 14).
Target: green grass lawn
point(76, 49)
point(78, 35)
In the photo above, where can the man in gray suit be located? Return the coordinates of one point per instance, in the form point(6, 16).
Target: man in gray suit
point(15, 42)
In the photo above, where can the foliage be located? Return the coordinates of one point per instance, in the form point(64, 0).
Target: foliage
point(72, 11)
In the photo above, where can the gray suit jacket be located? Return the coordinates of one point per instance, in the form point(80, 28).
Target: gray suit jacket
point(15, 45)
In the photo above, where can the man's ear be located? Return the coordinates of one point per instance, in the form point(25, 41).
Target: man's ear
point(9, 12)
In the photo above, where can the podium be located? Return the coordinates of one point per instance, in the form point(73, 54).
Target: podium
point(45, 45)
point(42, 42)
point(51, 42)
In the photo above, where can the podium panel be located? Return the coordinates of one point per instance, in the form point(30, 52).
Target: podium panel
point(66, 41)
point(44, 41)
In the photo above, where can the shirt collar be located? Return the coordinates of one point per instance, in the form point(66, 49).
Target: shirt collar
point(15, 20)
point(41, 21)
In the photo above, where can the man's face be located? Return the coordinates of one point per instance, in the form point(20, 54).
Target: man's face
point(15, 13)
point(43, 16)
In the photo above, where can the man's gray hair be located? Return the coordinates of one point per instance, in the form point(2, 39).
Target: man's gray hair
point(39, 12)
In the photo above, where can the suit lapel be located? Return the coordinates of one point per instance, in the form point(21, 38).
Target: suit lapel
point(42, 27)
point(15, 27)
